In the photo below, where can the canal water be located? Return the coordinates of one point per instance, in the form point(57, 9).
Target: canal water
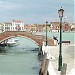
point(69, 36)
point(21, 59)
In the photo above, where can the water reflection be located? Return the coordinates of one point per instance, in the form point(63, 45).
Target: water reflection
point(20, 60)
point(2, 50)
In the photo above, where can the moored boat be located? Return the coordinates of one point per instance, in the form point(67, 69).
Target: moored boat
point(12, 42)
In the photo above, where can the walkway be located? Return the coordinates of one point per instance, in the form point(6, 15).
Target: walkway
point(68, 57)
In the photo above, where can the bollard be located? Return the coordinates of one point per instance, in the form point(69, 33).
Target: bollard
point(40, 54)
point(63, 70)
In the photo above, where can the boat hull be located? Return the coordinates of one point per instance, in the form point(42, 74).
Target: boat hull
point(12, 43)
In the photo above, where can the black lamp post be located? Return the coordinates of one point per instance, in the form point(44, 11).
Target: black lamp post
point(60, 51)
point(46, 33)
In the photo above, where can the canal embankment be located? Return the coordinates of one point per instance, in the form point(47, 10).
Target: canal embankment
point(68, 57)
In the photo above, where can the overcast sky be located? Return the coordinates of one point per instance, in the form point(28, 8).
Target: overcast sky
point(35, 11)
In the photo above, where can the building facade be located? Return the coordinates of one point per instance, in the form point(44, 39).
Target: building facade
point(1, 28)
point(31, 28)
point(36, 28)
point(73, 27)
point(66, 27)
point(55, 27)
point(7, 26)
point(18, 25)
point(15, 25)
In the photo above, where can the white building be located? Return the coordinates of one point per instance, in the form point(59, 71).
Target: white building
point(73, 25)
point(7, 26)
point(15, 25)
point(18, 25)
point(1, 28)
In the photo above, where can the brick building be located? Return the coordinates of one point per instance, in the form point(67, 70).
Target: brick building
point(55, 27)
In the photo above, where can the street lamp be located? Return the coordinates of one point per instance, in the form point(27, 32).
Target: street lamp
point(60, 51)
point(46, 33)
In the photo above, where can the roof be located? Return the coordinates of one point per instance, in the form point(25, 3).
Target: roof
point(73, 23)
point(17, 21)
point(55, 23)
point(7, 23)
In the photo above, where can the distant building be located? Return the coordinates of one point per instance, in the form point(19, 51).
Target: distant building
point(31, 27)
point(1, 28)
point(18, 25)
point(7, 26)
point(15, 25)
point(73, 27)
point(66, 27)
point(40, 28)
point(35, 27)
point(55, 27)
point(26, 27)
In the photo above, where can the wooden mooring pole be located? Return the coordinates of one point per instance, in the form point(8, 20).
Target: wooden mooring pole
point(44, 65)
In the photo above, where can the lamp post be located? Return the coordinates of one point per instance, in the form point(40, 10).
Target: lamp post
point(46, 33)
point(60, 44)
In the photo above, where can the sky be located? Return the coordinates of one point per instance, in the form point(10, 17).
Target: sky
point(36, 11)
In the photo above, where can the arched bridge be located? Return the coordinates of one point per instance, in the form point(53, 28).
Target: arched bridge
point(38, 39)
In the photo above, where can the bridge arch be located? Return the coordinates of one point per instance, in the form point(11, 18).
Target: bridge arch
point(29, 39)
point(4, 39)
point(19, 36)
point(38, 39)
